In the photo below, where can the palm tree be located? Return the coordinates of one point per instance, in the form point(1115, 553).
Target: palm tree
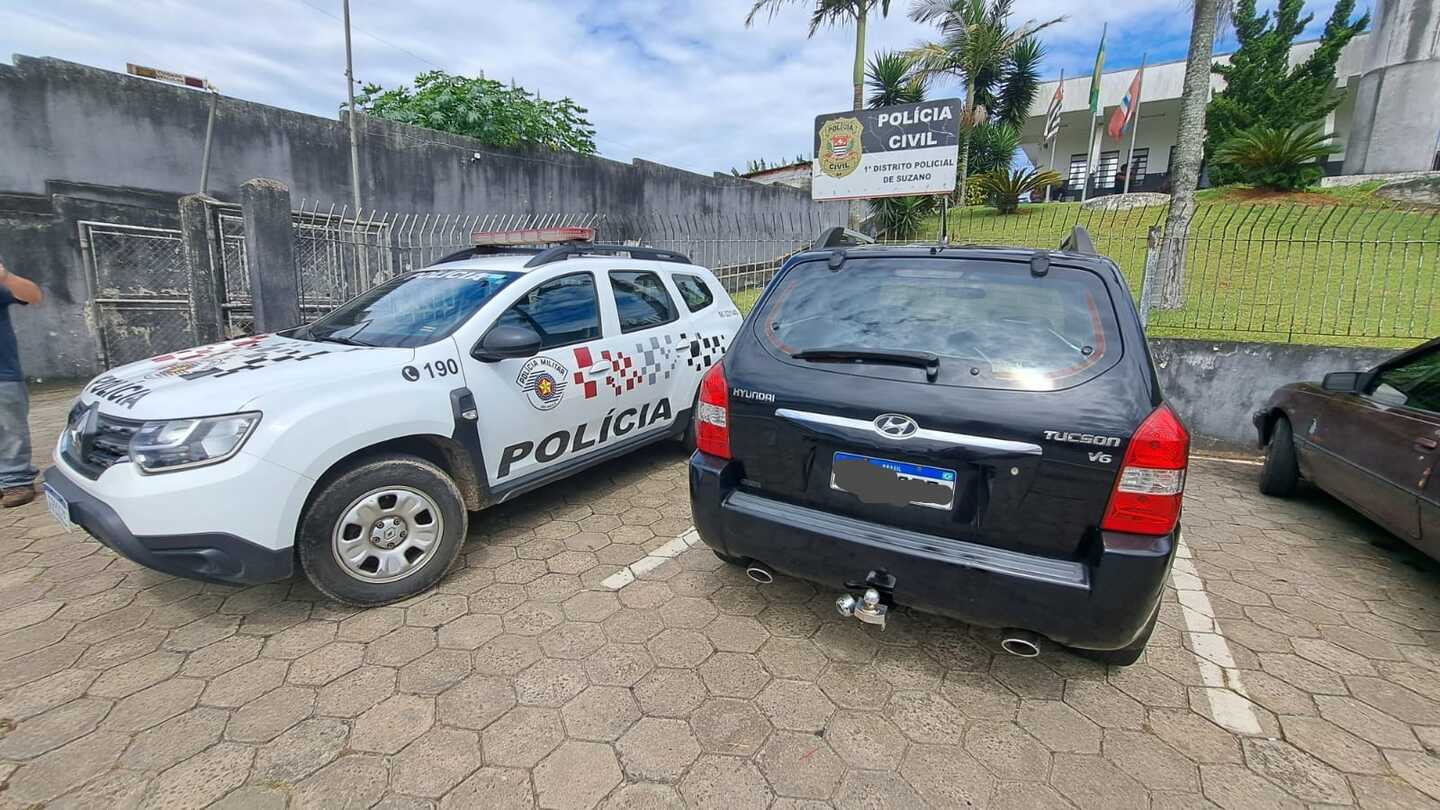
point(892, 80)
point(976, 42)
point(836, 12)
point(1189, 150)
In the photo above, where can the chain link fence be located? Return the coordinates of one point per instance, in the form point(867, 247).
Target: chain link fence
point(140, 289)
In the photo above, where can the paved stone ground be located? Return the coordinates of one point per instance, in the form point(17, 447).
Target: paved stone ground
point(522, 682)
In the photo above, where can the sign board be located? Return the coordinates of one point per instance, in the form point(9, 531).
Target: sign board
point(887, 152)
point(166, 76)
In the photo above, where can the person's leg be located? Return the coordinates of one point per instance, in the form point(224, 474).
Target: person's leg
point(17, 475)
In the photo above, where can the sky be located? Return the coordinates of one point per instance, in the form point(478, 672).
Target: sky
point(680, 82)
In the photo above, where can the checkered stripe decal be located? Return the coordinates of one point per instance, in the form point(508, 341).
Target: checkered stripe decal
point(653, 360)
point(703, 351)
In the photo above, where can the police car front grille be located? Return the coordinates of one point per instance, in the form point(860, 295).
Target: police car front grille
point(111, 442)
point(106, 446)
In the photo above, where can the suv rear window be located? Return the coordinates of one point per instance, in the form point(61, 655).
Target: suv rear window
point(992, 324)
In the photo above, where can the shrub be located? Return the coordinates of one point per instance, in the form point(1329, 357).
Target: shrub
point(901, 217)
point(1004, 187)
point(1285, 160)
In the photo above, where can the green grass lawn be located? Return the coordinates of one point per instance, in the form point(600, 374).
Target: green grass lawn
point(745, 299)
point(1338, 267)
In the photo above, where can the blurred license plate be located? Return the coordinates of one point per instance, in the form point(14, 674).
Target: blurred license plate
point(59, 508)
point(898, 483)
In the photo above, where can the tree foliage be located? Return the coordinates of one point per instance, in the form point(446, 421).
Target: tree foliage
point(1261, 89)
point(760, 165)
point(992, 146)
point(1281, 159)
point(1004, 187)
point(497, 114)
point(997, 61)
point(892, 79)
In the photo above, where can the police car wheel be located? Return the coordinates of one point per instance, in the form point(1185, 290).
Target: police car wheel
point(384, 530)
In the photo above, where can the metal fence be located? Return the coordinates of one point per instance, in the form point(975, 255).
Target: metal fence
point(339, 254)
point(139, 288)
point(1337, 274)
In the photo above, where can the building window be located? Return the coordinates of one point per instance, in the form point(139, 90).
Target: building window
point(1077, 172)
point(1139, 165)
point(1105, 173)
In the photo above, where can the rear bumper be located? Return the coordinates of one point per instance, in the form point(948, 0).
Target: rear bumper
point(1102, 604)
point(211, 556)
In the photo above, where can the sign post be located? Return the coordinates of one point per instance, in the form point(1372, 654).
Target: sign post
point(887, 152)
point(187, 81)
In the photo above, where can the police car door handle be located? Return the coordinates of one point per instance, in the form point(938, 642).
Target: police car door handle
point(598, 369)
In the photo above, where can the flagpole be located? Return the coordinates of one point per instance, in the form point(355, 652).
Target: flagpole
point(1095, 109)
point(1055, 140)
point(1089, 152)
point(1135, 129)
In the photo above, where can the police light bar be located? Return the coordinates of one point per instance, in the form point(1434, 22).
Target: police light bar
point(533, 236)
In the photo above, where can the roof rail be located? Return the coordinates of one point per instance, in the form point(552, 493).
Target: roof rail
point(560, 253)
point(840, 236)
point(1078, 242)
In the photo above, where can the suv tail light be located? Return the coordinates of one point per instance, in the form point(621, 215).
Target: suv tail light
point(1147, 494)
point(712, 414)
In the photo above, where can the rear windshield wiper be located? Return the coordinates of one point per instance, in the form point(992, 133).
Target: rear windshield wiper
point(858, 354)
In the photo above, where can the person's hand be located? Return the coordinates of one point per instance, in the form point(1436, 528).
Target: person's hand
point(4, 273)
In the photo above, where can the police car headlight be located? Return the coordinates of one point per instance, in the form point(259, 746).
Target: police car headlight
point(180, 444)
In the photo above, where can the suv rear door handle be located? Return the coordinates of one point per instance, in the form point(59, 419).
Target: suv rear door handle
point(1425, 443)
point(598, 369)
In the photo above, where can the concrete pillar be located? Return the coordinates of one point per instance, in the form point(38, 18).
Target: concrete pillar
point(206, 282)
point(270, 254)
point(1397, 117)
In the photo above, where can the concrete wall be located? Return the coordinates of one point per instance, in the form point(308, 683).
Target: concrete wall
point(64, 121)
point(1217, 386)
point(1401, 73)
point(117, 140)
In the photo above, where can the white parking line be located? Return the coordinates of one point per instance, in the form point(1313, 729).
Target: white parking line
point(1230, 705)
point(651, 561)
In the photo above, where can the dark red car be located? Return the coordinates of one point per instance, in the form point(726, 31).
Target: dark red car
point(1369, 438)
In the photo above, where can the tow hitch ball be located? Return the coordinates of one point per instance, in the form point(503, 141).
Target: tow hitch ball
point(867, 608)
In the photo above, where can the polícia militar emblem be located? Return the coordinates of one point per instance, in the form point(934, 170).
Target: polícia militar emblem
point(543, 380)
point(840, 146)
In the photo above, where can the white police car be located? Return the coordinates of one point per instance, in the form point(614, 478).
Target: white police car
point(356, 445)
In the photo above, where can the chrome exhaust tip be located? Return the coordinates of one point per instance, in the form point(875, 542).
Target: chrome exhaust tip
point(760, 572)
point(1022, 643)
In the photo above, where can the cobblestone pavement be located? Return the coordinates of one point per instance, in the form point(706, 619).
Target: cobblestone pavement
point(521, 681)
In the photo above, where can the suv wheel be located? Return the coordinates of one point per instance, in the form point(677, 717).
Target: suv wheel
point(1281, 474)
point(382, 531)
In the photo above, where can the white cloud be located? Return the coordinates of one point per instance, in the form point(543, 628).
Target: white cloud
point(682, 82)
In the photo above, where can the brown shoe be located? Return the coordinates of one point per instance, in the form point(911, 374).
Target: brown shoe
point(16, 496)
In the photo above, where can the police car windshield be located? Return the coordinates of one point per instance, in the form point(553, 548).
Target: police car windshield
point(412, 310)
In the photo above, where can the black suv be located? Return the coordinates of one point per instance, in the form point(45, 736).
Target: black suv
point(971, 431)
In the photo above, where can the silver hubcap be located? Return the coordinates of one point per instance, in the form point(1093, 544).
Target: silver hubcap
point(387, 534)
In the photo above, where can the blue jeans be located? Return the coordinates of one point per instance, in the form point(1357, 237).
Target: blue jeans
point(15, 467)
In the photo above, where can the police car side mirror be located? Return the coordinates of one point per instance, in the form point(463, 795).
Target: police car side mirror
point(507, 342)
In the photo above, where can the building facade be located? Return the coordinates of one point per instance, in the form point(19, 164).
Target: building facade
point(794, 175)
point(1392, 73)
